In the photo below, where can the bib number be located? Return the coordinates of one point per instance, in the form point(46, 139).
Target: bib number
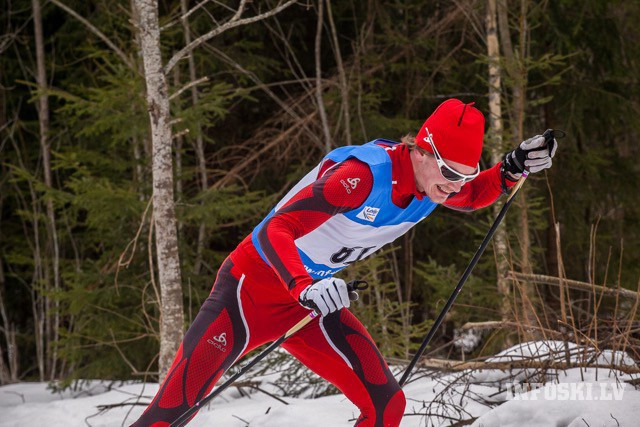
point(350, 255)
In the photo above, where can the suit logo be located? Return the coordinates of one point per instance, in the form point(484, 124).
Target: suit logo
point(222, 338)
point(350, 184)
point(368, 213)
point(353, 182)
point(219, 342)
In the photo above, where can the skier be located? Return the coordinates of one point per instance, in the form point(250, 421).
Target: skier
point(356, 200)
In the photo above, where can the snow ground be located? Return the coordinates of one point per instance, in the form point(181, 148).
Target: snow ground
point(479, 394)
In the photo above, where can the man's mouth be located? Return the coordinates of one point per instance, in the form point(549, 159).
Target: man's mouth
point(442, 190)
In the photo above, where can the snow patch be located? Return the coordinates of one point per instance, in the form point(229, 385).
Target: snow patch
point(433, 398)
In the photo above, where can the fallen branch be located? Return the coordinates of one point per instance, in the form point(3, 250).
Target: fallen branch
point(502, 324)
point(573, 284)
point(457, 365)
point(119, 405)
point(255, 387)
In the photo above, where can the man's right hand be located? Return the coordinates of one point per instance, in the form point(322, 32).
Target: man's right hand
point(326, 296)
point(534, 154)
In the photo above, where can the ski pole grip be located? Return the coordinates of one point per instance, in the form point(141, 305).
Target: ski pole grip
point(354, 286)
point(550, 136)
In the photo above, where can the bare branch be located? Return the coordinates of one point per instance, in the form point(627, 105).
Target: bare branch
point(97, 32)
point(232, 23)
point(188, 86)
point(239, 12)
point(264, 87)
point(185, 16)
point(124, 357)
point(133, 242)
point(181, 133)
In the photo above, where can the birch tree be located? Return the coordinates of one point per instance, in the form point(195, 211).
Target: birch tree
point(8, 372)
point(164, 217)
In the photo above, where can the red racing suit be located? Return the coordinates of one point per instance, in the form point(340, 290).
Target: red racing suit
point(253, 302)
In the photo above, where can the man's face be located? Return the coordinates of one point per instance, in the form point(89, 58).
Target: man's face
point(430, 181)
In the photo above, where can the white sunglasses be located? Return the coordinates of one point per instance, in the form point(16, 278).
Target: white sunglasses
point(447, 172)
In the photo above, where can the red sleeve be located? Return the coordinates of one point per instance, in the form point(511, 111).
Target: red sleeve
point(339, 188)
point(479, 193)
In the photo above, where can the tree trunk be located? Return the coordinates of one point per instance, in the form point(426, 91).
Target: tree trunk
point(495, 147)
point(202, 166)
point(519, 115)
point(43, 120)
point(141, 171)
point(529, 297)
point(178, 156)
point(516, 68)
point(171, 310)
point(344, 86)
point(319, 99)
point(408, 287)
point(8, 372)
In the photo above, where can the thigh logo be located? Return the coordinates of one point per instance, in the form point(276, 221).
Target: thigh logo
point(219, 342)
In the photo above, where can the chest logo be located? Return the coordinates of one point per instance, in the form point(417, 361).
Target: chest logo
point(350, 184)
point(353, 182)
point(368, 213)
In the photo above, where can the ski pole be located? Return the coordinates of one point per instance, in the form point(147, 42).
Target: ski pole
point(549, 136)
point(353, 286)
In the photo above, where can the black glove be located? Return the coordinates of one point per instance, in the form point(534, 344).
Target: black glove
point(534, 154)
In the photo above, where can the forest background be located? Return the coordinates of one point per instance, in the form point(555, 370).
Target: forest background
point(112, 225)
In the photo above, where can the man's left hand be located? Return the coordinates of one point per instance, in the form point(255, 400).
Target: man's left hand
point(534, 154)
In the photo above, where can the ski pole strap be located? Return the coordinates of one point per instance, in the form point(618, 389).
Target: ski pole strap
point(354, 286)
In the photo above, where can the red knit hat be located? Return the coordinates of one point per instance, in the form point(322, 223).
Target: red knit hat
point(457, 130)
